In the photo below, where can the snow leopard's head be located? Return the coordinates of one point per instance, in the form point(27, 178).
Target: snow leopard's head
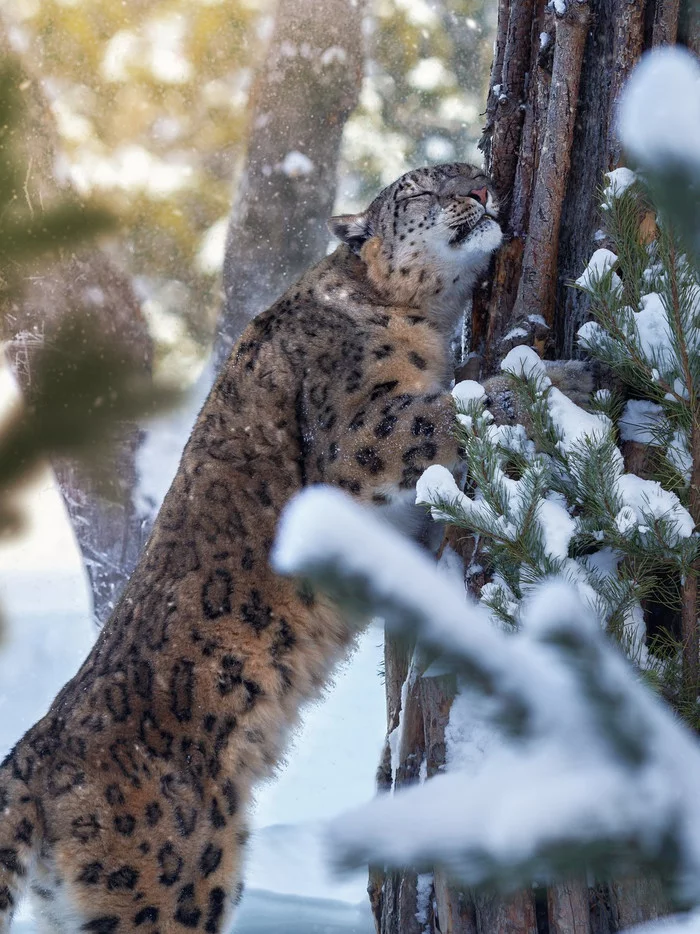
point(428, 237)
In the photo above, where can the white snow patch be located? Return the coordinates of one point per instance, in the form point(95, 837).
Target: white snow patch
point(514, 334)
point(525, 362)
point(678, 454)
point(672, 924)
point(557, 525)
point(467, 391)
point(654, 333)
point(590, 334)
point(436, 486)
point(451, 564)
point(650, 501)
point(659, 114)
point(626, 520)
point(436, 483)
point(601, 262)
point(641, 421)
point(470, 734)
point(466, 421)
point(296, 165)
point(574, 423)
point(619, 180)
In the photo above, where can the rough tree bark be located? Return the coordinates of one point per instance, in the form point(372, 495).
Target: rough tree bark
point(106, 525)
point(549, 137)
point(309, 84)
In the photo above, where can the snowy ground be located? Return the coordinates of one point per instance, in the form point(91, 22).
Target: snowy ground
point(331, 762)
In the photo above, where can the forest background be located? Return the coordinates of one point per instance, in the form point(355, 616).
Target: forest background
point(153, 111)
point(162, 111)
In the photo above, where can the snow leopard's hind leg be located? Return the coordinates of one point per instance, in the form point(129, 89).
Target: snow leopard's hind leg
point(18, 835)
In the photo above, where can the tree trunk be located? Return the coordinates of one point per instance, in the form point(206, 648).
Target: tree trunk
point(107, 527)
point(105, 523)
point(548, 139)
point(308, 86)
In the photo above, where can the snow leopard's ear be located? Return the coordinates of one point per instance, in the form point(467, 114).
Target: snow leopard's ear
point(352, 229)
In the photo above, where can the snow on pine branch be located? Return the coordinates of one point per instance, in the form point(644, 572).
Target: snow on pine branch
point(659, 126)
point(592, 770)
point(671, 924)
point(600, 264)
point(345, 549)
point(562, 506)
point(619, 180)
point(659, 116)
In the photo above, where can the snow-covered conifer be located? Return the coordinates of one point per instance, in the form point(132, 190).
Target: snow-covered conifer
point(560, 761)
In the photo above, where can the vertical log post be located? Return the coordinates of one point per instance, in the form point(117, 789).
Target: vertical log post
point(537, 287)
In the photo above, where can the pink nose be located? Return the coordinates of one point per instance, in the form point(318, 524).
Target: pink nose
point(481, 194)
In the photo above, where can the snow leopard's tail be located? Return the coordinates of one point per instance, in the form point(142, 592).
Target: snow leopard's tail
point(19, 830)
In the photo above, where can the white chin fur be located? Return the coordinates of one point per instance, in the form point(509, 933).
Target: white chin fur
point(485, 238)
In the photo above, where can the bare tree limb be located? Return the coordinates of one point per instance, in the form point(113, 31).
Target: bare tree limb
point(506, 95)
point(308, 86)
point(568, 908)
point(538, 281)
point(665, 28)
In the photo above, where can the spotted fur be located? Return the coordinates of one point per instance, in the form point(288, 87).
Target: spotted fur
point(124, 808)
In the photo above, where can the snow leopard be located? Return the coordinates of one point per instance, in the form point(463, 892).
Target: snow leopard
point(125, 807)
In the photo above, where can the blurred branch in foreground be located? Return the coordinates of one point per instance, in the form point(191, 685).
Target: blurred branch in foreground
point(83, 385)
point(83, 389)
point(588, 772)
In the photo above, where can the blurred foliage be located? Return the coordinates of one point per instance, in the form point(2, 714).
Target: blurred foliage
point(84, 388)
point(150, 103)
point(424, 92)
point(23, 235)
point(84, 384)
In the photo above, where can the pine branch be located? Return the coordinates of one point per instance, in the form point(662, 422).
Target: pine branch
point(606, 746)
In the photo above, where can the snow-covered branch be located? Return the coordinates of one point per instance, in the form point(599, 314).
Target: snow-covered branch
point(591, 770)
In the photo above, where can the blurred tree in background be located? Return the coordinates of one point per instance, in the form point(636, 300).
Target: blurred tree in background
point(82, 385)
point(424, 93)
point(151, 107)
point(163, 110)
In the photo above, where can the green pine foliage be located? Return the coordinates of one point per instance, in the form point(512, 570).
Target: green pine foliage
point(83, 386)
point(550, 495)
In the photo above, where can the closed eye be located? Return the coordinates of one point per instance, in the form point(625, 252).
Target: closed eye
point(417, 194)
